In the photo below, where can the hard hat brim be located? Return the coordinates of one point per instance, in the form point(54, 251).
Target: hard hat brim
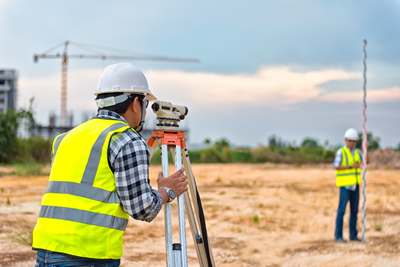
point(352, 139)
point(148, 95)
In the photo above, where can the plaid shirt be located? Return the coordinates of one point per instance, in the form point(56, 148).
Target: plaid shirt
point(129, 158)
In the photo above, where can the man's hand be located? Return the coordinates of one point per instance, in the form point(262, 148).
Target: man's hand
point(175, 181)
point(356, 165)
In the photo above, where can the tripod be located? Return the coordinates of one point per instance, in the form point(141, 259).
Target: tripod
point(177, 252)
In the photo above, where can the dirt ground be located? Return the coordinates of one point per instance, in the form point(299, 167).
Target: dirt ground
point(257, 215)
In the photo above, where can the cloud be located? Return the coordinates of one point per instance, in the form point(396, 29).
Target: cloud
point(375, 95)
point(277, 87)
point(272, 86)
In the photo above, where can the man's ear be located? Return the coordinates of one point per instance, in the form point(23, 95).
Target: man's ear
point(136, 105)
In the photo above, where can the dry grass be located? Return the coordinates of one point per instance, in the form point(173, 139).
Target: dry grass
point(256, 216)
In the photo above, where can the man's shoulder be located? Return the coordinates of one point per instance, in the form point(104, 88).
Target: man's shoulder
point(128, 137)
point(340, 150)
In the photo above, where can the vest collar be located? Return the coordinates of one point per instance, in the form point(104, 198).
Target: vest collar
point(352, 151)
point(108, 114)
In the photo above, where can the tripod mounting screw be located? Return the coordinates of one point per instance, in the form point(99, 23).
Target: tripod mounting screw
point(176, 246)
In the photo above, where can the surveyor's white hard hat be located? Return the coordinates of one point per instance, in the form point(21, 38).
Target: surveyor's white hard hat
point(123, 78)
point(351, 134)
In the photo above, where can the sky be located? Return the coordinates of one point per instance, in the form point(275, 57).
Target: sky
point(293, 69)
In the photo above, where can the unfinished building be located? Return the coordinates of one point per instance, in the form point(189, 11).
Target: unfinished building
point(8, 89)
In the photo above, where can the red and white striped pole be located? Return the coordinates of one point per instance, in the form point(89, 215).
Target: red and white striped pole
point(364, 147)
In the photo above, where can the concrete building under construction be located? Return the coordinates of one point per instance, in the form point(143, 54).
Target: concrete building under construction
point(8, 89)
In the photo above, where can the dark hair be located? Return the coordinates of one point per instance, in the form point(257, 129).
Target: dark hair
point(119, 108)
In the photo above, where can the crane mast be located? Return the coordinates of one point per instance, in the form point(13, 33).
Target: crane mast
point(64, 71)
point(64, 67)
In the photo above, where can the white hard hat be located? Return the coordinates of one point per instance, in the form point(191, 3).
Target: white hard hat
point(123, 78)
point(351, 134)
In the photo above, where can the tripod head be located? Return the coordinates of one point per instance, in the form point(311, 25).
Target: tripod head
point(168, 115)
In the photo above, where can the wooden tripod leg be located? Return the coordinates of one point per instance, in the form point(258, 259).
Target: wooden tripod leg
point(200, 239)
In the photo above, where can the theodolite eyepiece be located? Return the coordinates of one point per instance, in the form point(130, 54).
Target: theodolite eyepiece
point(168, 115)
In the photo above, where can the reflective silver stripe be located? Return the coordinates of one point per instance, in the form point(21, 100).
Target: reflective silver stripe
point(82, 216)
point(57, 143)
point(95, 154)
point(346, 174)
point(83, 190)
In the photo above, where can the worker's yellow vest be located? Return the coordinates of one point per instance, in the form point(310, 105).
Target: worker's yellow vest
point(81, 212)
point(348, 177)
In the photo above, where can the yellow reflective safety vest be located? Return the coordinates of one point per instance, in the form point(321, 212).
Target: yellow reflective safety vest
point(348, 177)
point(81, 212)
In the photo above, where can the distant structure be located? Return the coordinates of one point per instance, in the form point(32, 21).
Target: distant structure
point(53, 129)
point(8, 89)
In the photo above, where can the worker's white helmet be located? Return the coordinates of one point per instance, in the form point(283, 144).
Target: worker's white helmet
point(351, 134)
point(123, 78)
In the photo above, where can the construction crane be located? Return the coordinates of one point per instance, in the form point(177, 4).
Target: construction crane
point(98, 55)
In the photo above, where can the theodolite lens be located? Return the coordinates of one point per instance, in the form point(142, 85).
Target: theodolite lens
point(155, 107)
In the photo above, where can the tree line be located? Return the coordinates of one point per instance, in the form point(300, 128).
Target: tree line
point(310, 151)
point(15, 149)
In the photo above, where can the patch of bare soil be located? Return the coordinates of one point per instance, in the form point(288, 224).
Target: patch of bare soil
point(388, 245)
point(8, 259)
point(256, 215)
point(377, 251)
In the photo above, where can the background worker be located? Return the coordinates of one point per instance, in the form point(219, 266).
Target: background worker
point(348, 161)
point(100, 176)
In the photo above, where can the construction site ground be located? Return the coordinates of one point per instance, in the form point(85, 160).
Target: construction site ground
point(257, 215)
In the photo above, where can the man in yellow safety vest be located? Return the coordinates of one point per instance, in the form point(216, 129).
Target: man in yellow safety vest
point(100, 176)
point(348, 161)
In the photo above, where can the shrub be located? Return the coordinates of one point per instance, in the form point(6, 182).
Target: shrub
point(33, 150)
point(30, 169)
point(9, 122)
point(242, 155)
point(211, 155)
point(277, 152)
point(227, 154)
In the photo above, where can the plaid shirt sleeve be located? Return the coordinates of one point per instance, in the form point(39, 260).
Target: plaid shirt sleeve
point(130, 159)
point(338, 159)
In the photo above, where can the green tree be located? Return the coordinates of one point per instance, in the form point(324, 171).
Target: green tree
point(310, 142)
point(373, 141)
point(222, 143)
point(207, 141)
point(9, 124)
point(276, 142)
point(272, 141)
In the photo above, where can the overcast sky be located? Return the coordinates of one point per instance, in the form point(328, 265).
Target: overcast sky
point(289, 68)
